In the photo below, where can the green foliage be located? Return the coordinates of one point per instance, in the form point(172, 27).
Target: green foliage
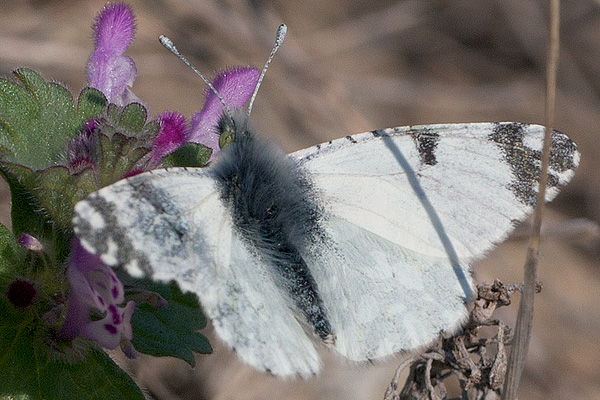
point(37, 118)
point(133, 118)
point(172, 331)
point(40, 134)
point(31, 364)
point(8, 251)
point(189, 155)
point(29, 215)
point(119, 156)
point(58, 191)
point(130, 121)
point(124, 140)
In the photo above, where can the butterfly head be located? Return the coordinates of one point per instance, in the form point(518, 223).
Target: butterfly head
point(232, 126)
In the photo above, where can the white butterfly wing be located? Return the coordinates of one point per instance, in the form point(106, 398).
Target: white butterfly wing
point(171, 224)
point(406, 210)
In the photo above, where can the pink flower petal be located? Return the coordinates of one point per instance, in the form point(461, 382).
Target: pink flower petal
point(112, 75)
point(77, 316)
point(103, 332)
point(114, 327)
point(171, 136)
point(29, 242)
point(114, 28)
point(83, 263)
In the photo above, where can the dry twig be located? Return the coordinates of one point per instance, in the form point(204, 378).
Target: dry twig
point(479, 363)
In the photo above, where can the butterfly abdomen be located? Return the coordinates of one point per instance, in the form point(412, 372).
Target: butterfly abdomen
point(271, 205)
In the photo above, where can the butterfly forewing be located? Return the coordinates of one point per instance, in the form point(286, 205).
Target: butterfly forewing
point(458, 186)
point(172, 225)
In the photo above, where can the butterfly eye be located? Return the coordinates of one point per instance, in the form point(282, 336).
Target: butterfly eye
point(225, 139)
point(226, 129)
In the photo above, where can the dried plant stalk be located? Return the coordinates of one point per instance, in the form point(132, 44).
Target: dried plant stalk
point(523, 327)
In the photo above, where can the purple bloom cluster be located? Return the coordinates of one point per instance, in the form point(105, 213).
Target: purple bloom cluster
point(82, 151)
point(95, 289)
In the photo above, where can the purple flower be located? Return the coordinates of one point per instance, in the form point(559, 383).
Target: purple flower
point(95, 287)
point(83, 151)
point(113, 73)
point(29, 242)
point(236, 87)
point(172, 135)
point(108, 70)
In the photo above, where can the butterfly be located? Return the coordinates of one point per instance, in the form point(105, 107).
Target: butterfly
point(362, 243)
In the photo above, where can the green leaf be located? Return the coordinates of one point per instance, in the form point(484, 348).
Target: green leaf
point(133, 117)
point(50, 194)
point(11, 258)
point(172, 331)
point(25, 209)
point(119, 155)
point(15, 397)
point(29, 367)
point(28, 214)
point(56, 190)
point(129, 121)
point(189, 155)
point(37, 119)
point(91, 103)
point(8, 250)
point(59, 191)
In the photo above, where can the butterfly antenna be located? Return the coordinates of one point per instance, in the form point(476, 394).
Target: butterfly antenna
point(279, 36)
point(168, 43)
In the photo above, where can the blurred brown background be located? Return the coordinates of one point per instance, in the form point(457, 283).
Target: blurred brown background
point(352, 66)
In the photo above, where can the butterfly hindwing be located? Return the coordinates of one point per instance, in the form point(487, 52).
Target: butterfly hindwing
point(382, 298)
